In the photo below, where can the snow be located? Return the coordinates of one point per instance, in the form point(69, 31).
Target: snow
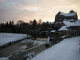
point(4, 58)
point(78, 21)
point(63, 28)
point(68, 23)
point(38, 42)
point(48, 40)
point(23, 47)
point(71, 20)
point(68, 49)
point(27, 41)
point(74, 24)
point(53, 30)
point(68, 14)
point(10, 37)
point(63, 36)
point(29, 56)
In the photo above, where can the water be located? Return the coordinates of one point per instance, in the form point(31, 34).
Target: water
point(18, 46)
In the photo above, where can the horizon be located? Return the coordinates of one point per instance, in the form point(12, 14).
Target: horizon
point(37, 9)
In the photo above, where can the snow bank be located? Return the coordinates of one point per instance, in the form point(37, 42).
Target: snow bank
point(53, 30)
point(68, 49)
point(38, 42)
point(10, 37)
point(4, 58)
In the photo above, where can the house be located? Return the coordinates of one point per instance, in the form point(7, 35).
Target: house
point(70, 28)
point(60, 17)
point(64, 30)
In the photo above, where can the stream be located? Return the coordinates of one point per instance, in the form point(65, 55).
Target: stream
point(25, 44)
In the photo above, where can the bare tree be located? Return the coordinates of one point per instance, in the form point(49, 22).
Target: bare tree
point(30, 22)
point(20, 22)
point(40, 21)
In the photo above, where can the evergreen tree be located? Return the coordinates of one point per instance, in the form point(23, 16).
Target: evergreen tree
point(12, 22)
point(6, 24)
point(34, 22)
point(34, 25)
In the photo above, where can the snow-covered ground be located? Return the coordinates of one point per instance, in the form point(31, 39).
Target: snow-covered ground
point(68, 49)
point(39, 42)
point(10, 37)
point(4, 58)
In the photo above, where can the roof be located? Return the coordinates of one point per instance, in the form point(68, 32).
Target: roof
point(63, 28)
point(68, 23)
point(53, 30)
point(71, 20)
point(68, 14)
point(74, 24)
point(78, 22)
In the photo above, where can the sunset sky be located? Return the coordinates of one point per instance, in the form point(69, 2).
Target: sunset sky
point(27, 10)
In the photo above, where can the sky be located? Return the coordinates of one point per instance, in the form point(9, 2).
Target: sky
point(27, 10)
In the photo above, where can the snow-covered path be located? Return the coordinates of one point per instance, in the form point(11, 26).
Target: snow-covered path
point(68, 49)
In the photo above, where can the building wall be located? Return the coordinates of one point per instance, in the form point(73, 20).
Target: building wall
point(75, 30)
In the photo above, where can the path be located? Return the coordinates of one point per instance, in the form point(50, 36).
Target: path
point(68, 49)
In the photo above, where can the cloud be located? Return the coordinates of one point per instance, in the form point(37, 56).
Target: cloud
point(2, 0)
point(35, 9)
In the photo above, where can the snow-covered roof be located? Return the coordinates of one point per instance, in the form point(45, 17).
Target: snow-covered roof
point(68, 14)
point(63, 28)
point(68, 23)
point(74, 24)
point(78, 22)
point(69, 20)
point(53, 30)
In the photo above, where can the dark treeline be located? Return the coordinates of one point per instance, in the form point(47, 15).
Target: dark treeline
point(7, 27)
point(34, 27)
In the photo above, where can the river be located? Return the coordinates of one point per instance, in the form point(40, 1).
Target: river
point(25, 44)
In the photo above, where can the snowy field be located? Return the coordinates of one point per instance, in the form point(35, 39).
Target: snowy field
point(68, 49)
point(10, 37)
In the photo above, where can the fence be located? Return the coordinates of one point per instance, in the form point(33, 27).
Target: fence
point(20, 54)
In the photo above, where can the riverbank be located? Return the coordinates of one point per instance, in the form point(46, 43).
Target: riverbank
point(7, 39)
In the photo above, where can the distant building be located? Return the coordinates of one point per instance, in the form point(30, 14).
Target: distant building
point(60, 17)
